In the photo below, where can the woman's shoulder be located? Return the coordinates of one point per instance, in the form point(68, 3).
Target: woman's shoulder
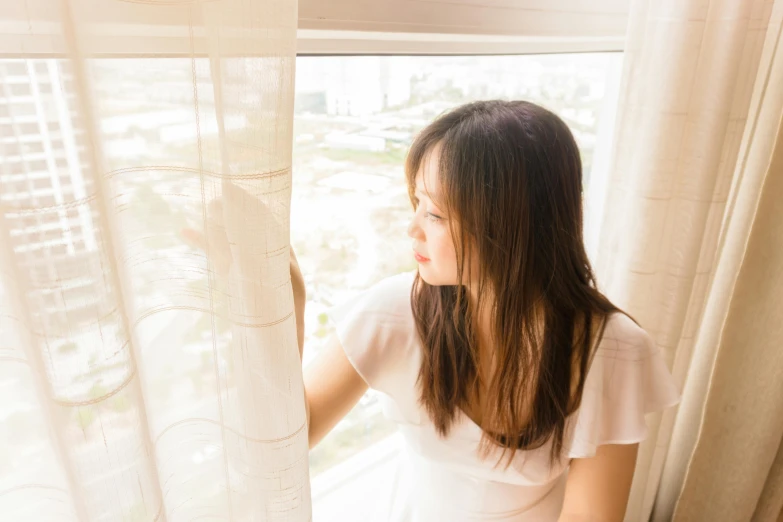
point(624, 338)
point(390, 294)
point(378, 333)
point(628, 378)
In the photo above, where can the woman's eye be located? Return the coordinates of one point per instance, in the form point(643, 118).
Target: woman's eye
point(432, 217)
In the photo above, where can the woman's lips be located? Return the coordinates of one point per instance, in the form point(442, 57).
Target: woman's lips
point(420, 258)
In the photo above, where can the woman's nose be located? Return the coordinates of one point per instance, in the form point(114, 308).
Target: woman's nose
point(414, 230)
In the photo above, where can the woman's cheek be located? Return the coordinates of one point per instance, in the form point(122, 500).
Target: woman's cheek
point(447, 258)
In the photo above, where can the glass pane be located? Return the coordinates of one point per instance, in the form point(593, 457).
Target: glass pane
point(354, 119)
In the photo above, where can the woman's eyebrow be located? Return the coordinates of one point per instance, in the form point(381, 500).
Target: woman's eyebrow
point(431, 195)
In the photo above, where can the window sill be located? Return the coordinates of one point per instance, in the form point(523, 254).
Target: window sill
point(352, 489)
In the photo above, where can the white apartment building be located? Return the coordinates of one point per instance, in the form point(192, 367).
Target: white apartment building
point(46, 190)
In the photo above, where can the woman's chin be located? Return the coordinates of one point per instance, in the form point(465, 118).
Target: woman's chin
point(432, 278)
point(425, 275)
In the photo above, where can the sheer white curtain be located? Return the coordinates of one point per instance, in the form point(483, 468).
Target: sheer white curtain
point(135, 383)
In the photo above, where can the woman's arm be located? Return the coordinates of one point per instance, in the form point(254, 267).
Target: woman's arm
point(597, 488)
point(332, 384)
point(332, 388)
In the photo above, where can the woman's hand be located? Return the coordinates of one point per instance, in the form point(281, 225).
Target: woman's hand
point(300, 298)
point(215, 235)
point(220, 256)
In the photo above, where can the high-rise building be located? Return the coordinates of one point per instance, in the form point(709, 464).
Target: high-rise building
point(46, 189)
point(355, 86)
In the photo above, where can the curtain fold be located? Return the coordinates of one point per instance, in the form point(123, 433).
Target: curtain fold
point(697, 121)
point(736, 450)
point(138, 381)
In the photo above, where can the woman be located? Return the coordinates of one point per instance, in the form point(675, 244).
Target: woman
point(520, 390)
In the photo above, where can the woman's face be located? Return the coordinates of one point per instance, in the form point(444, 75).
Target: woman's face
point(433, 246)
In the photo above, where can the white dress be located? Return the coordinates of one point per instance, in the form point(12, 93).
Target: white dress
point(444, 479)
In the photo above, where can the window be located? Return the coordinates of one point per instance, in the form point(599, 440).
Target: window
point(27, 129)
point(82, 142)
point(16, 68)
point(54, 234)
point(31, 237)
point(49, 299)
point(65, 67)
point(20, 89)
point(30, 221)
point(22, 109)
point(50, 219)
point(67, 194)
point(58, 250)
point(37, 166)
point(68, 85)
point(42, 183)
point(354, 120)
point(16, 168)
point(46, 201)
point(10, 150)
point(355, 117)
point(33, 147)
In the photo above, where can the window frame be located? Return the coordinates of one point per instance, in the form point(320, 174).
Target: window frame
point(325, 42)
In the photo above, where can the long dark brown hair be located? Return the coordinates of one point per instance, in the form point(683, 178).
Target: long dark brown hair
point(511, 181)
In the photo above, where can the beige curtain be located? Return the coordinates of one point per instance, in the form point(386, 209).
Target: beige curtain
point(135, 383)
point(735, 470)
point(690, 245)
